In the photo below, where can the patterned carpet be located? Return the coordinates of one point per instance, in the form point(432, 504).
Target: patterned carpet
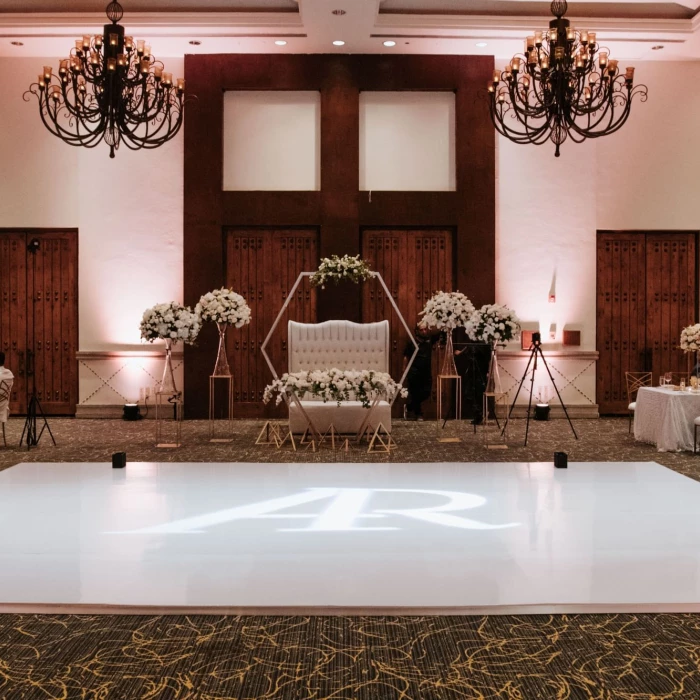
point(350, 658)
point(563, 657)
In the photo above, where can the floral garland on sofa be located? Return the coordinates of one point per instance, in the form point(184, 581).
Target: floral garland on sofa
point(337, 269)
point(336, 385)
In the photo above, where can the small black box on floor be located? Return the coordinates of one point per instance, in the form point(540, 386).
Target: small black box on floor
point(561, 460)
point(119, 460)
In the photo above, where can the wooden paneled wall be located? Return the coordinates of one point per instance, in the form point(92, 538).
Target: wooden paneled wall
point(339, 211)
point(646, 294)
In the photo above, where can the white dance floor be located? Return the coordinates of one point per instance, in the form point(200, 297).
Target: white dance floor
point(502, 537)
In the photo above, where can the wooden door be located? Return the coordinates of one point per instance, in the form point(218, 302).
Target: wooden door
point(39, 317)
point(13, 313)
point(263, 265)
point(646, 294)
point(671, 298)
point(414, 265)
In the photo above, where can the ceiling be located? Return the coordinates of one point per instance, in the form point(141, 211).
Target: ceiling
point(630, 29)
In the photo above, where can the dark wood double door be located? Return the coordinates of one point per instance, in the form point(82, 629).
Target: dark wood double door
point(39, 317)
point(646, 294)
point(264, 264)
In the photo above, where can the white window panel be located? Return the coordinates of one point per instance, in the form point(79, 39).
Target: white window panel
point(272, 140)
point(407, 141)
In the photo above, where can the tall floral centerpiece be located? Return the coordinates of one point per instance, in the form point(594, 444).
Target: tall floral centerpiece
point(172, 323)
point(496, 325)
point(690, 341)
point(446, 311)
point(350, 268)
point(225, 308)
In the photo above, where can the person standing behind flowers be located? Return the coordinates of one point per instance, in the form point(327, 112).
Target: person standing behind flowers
point(419, 380)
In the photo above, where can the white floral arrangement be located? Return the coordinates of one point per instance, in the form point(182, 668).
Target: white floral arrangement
point(336, 385)
point(225, 306)
point(336, 269)
point(172, 322)
point(446, 311)
point(493, 324)
point(690, 338)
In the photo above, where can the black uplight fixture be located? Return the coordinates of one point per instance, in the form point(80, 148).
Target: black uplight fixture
point(132, 412)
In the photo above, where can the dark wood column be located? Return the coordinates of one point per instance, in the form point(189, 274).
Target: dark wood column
point(339, 210)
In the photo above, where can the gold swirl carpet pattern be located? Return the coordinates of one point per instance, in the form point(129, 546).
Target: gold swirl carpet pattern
point(596, 657)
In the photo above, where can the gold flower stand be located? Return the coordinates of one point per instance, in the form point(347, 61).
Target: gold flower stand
point(215, 381)
point(494, 424)
point(168, 427)
point(441, 389)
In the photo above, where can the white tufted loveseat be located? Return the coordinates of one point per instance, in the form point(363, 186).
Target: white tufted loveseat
point(345, 345)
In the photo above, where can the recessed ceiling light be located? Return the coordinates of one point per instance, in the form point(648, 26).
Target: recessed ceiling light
point(281, 42)
point(195, 42)
point(339, 12)
point(337, 42)
point(481, 44)
point(389, 43)
point(17, 43)
point(657, 48)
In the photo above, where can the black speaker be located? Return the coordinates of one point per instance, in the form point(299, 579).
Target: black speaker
point(561, 460)
point(119, 460)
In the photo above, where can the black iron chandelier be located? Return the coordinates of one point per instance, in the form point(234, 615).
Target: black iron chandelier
point(110, 88)
point(564, 85)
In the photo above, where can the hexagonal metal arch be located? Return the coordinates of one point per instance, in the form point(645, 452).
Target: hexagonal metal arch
point(290, 295)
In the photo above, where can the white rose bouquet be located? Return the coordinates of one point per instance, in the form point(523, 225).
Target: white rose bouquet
point(172, 322)
point(446, 311)
point(690, 338)
point(335, 269)
point(225, 306)
point(336, 385)
point(493, 324)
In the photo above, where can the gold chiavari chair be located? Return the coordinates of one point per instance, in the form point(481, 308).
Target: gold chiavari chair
point(635, 381)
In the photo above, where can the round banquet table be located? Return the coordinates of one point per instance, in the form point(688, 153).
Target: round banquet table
point(664, 417)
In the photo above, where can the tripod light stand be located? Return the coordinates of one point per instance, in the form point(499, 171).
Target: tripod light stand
point(535, 352)
point(34, 409)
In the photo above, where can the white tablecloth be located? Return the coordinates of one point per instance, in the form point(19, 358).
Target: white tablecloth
point(664, 418)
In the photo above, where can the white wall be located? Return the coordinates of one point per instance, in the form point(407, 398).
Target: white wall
point(129, 211)
point(129, 214)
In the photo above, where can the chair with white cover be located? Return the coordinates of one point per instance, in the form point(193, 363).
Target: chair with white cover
point(635, 381)
point(5, 392)
point(342, 345)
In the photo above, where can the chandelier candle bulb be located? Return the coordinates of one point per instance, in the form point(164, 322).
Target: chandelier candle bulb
point(570, 33)
point(629, 74)
point(603, 59)
point(529, 43)
point(552, 36)
point(98, 41)
point(584, 37)
point(497, 76)
point(147, 51)
point(94, 58)
point(538, 39)
point(158, 72)
point(40, 82)
point(532, 57)
point(55, 93)
point(129, 43)
point(612, 67)
point(181, 85)
point(515, 65)
point(144, 66)
point(121, 60)
point(86, 42)
point(591, 39)
point(63, 67)
point(47, 73)
point(140, 43)
point(111, 64)
point(113, 39)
